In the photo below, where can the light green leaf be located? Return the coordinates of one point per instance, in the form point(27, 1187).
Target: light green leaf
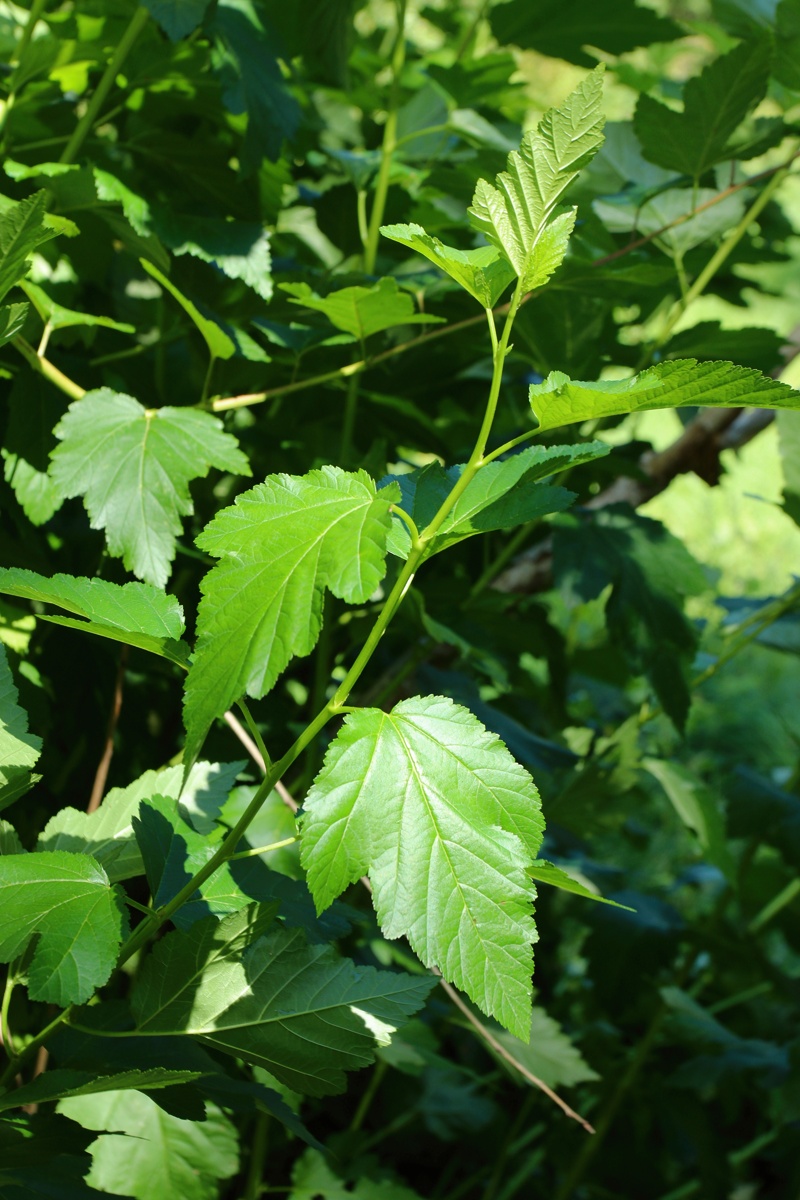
point(149, 1153)
point(515, 215)
point(789, 441)
point(312, 1176)
point(22, 229)
point(714, 105)
point(9, 840)
point(177, 17)
point(483, 272)
point(107, 834)
point(66, 903)
point(697, 807)
point(133, 467)
point(446, 824)
point(298, 1010)
point(12, 318)
point(546, 872)
point(58, 317)
point(681, 382)
point(59, 1084)
point(281, 544)
point(51, 170)
point(220, 345)
point(502, 495)
point(133, 613)
point(549, 1054)
point(670, 206)
point(19, 750)
point(362, 311)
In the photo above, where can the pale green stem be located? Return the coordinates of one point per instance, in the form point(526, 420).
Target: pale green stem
point(123, 49)
point(776, 904)
point(46, 368)
point(388, 144)
point(5, 1028)
point(254, 730)
point(263, 849)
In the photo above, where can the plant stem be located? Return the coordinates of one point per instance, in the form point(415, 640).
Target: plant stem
point(33, 1046)
point(5, 1028)
point(254, 730)
point(262, 849)
point(349, 421)
point(84, 126)
point(773, 907)
point(378, 1072)
point(388, 144)
point(46, 368)
point(36, 10)
point(258, 1156)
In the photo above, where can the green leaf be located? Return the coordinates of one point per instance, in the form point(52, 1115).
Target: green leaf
point(241, 249)
point(66, 903)
point(563, 30)
point(696, 805)
point(312, 1176)
point(786, 66)
point(133, 613)
point(515, 215)
point(220, 344)
point(679, 383)
point(546, 872)
point(650, 574)
point(58, 317)
point(22, 229)
point(150, 1153)
point(28, 1170)
point(502, 495)
point(35, 406)
point(669, 206)
point(281, 544)
point(298, 1010)
point(59, 1084)
point(9, 840)
point(12, 318)
point(483, 272)
point(19, 750)
point(107, 834)
point(549, 1054)
point(177, 17)
point(362, 311)
point(714, 105)
point(446, 824)
point(245, 61)
point(133, 467)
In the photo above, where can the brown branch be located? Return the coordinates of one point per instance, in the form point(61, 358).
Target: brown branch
point(101, 775)
point(258, 758)
point(508, 1057)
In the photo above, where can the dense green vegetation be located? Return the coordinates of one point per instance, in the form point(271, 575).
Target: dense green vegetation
point(399, 618)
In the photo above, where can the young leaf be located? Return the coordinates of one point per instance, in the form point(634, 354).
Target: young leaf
point(133, 467)
point(66, 903)
point(133, 613)
point(446, 824)
point(681, 382)
point(12, 318)
point(483, 272)
point(714, 105)
point(151, 1153)
point(298, 1010)
point(362, 311)
point(281, 544)
point(22, 229)
point(650, 573)
point(59, 1084)
point(516, 215)
point(502, 495)
point(19, 750)
point(220, 344)
point(107, 833)
point(546, 872)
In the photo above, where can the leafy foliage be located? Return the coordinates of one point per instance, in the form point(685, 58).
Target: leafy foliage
point(19, 749)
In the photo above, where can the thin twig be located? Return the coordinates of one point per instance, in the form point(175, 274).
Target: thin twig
point(258, 758)
point(101, 775)
point(500, 1049)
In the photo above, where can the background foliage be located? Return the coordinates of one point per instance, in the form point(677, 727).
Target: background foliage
point(196, 181)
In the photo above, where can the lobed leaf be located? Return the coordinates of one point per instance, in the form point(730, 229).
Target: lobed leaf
point(19, 749)
point(177, 17)
point(446, 824)
point(281, 545)
point(22, 229)
point(66, 903)
point(515, 215)
point(59, 1084)
point(678, 383)
point(298, 1010)
point(12, 318)
point(563, 30)
point(133, 466)
point(220, 343)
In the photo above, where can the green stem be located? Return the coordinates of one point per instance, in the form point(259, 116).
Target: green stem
point(32, 1046)
point(349, 421)
point(5, 1028)
point(258, 1157)
point(254, 730)
point(785, 896)
point(37, 8)
point(388, 144)
point(46, 368)
point(84, 126)
point(505, 555)
point(262, 849)
point(365, 1103)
